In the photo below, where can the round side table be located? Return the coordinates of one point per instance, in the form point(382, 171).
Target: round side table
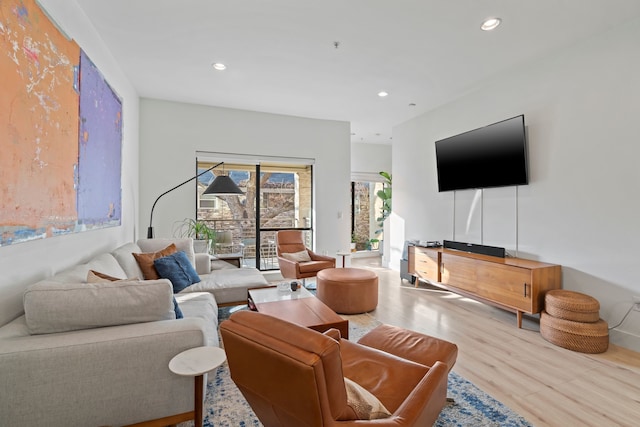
point(196, 362)
point(343, 254)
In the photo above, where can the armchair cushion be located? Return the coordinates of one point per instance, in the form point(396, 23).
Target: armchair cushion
point(315, 266)
point(301, 256)
point(364, 404)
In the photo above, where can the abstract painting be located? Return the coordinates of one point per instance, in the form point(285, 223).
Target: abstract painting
point(49, 157)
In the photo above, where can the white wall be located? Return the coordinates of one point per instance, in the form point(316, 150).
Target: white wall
point(25, 263)
point(171, 133)
point(370, 158)
point(581, 207)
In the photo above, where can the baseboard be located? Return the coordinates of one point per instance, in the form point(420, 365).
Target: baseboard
point(625, 339)
point(365, 254)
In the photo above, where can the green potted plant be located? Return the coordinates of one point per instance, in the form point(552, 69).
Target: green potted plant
point(385, 196)
point(353, 242)
point(203, 235)
point(373, 244)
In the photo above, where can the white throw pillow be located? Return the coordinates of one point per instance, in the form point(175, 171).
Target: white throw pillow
point(301, 256)
point(365, 405)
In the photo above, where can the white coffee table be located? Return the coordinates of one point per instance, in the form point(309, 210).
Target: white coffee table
point(196, 362)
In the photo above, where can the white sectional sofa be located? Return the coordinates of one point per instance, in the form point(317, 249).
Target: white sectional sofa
point(87, 354)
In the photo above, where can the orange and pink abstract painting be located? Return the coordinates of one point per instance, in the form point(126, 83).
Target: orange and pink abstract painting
point(60, 146)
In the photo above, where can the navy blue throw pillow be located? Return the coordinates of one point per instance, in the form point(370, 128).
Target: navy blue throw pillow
point(178, 269)
point(176, 308)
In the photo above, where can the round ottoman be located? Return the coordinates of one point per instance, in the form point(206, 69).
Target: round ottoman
point(577, 336)
point(571, 305)
point(348, 290)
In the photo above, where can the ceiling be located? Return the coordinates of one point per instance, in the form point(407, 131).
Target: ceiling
point(281, 55)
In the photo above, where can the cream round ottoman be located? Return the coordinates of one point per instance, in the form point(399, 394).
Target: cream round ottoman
point(348, 290)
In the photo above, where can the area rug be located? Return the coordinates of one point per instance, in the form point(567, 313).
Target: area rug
point(225, 405)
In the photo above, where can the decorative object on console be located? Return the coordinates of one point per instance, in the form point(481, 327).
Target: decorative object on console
point(472, 247)
point(221, 185)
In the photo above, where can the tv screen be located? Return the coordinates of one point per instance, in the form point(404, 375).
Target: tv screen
point(492, 156)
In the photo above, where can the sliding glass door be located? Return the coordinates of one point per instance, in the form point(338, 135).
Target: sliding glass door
point(277, 197)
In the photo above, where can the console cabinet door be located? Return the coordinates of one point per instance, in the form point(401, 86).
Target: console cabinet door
point(423, 262)
point(504, 284)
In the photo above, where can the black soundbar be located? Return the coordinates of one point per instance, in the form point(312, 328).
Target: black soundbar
point(473, 248)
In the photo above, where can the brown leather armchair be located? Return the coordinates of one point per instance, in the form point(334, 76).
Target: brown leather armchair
point(290, 241)
point(294, 377)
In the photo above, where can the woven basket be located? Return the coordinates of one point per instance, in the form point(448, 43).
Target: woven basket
point(571, 305)
point(577, 336)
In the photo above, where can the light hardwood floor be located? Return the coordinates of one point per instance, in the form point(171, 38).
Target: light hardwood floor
point(546, 384)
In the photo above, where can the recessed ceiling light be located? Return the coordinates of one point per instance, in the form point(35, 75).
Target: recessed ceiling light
point(219, 66)
point(382, 94)
point(490, 24)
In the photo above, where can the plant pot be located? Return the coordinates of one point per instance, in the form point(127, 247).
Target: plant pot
point(201, 246)
point(353, 247)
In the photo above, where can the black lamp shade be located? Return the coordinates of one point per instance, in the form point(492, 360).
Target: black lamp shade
point(222, 185)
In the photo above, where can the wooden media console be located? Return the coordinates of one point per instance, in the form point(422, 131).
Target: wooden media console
point(514, 284)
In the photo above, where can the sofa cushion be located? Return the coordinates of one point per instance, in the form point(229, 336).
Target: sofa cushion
point(229, 285)
point(202, 305)
point(58, 307)
point(127, 262)
point(145, 261)
point(177, 268)
point(97, 277)
point(182, 244)
point(301, 256)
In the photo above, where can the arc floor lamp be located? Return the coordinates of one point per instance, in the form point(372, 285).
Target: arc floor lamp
point(222, 185)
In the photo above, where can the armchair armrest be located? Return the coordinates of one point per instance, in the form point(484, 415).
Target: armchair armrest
point(414, 393)
point(421, 407)
point(425, 402)
point(316, 257)
point(288, 268)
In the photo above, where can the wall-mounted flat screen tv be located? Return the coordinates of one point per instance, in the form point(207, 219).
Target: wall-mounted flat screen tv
point(492, 156)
